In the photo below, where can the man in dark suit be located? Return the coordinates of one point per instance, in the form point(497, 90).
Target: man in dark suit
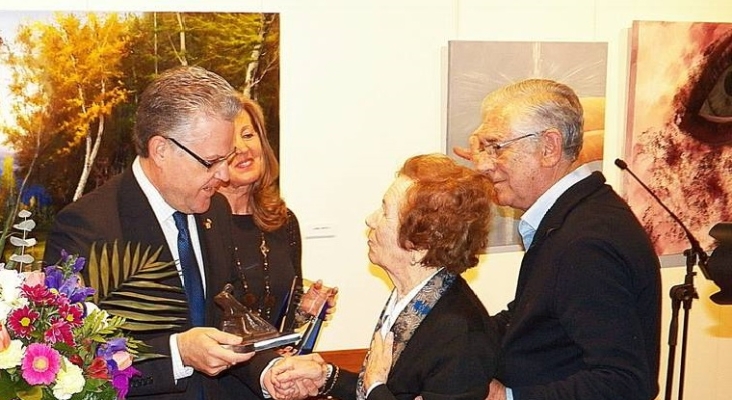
point(183, 137)
point(585, 322)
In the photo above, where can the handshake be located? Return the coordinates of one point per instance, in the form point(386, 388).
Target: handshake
point(298, 377)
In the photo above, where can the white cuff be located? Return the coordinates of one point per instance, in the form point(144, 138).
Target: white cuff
point(265, 393)
point(180, 371)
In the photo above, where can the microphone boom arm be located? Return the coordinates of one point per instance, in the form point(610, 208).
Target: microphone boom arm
point(696, 248)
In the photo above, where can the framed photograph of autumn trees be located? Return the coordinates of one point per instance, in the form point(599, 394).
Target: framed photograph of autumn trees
point(69, 84)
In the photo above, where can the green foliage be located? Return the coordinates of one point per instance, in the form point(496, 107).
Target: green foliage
point(90, 340)
point(126, 283)
point(82, 72)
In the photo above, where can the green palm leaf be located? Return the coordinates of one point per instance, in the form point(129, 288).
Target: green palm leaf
point(127, 284)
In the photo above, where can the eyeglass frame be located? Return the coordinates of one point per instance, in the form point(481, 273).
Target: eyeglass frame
point(497, 146)
point(206, 163)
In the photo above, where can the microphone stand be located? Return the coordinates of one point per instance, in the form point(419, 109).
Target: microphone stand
point(680, 294)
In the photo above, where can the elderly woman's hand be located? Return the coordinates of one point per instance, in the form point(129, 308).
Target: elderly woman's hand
point(295, 377)
point(378, 364)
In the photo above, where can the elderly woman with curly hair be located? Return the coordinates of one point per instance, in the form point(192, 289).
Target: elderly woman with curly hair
point(432, 338)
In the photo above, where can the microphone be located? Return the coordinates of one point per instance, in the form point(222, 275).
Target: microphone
point(695, 247)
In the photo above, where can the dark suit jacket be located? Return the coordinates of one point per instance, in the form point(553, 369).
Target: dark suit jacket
point(452, 354)
point(119, 211)
point(585, 323)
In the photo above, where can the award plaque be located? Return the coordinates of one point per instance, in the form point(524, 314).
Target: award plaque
point(256, 333)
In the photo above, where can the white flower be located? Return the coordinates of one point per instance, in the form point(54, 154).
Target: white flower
point(12, 356)
point(69, 380)
point(91, 307)
point(10, 294)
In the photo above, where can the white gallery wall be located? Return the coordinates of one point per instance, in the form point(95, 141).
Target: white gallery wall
point(363, 87)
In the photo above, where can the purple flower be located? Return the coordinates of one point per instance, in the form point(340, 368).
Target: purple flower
point(78, 264)
point(78, 261)
point(121, 380)
point(54, 277)
point(112, 346)
point(74, 291)
point(67, 286)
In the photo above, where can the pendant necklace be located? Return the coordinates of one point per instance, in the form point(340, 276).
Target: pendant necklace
point(264, 307)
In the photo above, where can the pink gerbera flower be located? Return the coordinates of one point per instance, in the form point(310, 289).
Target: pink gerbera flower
point(21, 321)
point(40, 364)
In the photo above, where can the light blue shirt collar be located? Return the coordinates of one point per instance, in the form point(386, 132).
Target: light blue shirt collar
point(531, 219)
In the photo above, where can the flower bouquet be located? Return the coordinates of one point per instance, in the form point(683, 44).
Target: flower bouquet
point(55, 346)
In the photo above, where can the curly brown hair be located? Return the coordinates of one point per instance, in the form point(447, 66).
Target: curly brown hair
point(446, 212)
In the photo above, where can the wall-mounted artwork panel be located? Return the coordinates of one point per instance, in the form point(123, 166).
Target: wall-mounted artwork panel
point(679, 136)
point(69, 85)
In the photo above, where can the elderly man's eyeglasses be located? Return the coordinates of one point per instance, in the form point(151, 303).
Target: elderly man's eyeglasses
point(206, 163)
point(492, 148)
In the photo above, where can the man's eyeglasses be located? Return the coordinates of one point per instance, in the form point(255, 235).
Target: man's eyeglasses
point(493, 148)
point(206, 163)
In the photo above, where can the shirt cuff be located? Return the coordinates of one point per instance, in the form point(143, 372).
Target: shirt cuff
point(180, 371)
point(509, 394)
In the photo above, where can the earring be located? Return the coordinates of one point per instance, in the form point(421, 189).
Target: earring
point(413, 259)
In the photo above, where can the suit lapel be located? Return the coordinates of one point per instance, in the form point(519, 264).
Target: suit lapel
point(137, 219)
point(214, 232)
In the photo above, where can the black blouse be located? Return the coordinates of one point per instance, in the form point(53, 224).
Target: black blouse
point(283, 259)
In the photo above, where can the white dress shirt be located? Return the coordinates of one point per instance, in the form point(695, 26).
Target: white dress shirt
point(164, 214)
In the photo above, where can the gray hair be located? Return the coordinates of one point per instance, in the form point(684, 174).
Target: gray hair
point(541, 104)
point(172, 102)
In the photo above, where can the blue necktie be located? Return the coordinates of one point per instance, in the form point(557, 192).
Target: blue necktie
point(191, 274)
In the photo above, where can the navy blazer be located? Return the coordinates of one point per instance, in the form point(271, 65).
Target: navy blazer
point(119, 211)
point(585, 322)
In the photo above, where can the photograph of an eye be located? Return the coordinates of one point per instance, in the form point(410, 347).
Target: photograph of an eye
point(705, 103)
point(679, 128)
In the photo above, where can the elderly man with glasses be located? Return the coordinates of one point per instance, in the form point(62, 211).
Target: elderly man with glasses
point(585, 320)
point(184, 138)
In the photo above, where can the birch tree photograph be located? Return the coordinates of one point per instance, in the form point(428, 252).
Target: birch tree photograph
point(69, 84)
